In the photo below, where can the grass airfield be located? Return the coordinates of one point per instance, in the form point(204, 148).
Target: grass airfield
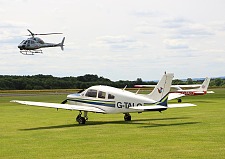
point(35, 132)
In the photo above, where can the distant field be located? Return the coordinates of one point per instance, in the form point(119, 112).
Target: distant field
point(34, 132)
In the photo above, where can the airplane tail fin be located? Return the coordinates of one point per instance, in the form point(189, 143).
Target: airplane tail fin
point(204, 85)
point(62, 44)
point(161, 91)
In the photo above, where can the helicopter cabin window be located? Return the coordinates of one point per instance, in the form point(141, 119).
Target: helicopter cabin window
point(110, 96)
point(91, 93)
point(32, 42)
point(101, 94)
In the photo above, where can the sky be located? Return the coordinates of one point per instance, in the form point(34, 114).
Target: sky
point(116, 39)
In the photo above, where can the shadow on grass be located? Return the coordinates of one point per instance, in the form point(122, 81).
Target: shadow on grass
point(140, 122)
point(151, 125)
point(204, 101)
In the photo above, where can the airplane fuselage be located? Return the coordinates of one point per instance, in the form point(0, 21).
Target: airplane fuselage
point(114, 100)
point(190, 92)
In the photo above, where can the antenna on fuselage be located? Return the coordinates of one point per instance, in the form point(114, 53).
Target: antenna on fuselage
point(124, 87)
point(137, 91)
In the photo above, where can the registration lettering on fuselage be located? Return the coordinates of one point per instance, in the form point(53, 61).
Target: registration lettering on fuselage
point(127, 104)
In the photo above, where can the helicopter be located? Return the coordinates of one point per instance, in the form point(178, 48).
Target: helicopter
point(34, 44)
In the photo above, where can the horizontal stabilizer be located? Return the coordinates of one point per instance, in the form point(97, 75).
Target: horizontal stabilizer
point(180, 105)
point(210, 92)
point(175, 95)
point(60, 106)
point(156, 107)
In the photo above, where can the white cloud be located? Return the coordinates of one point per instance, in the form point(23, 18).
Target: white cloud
point(146, 13)
point(119, 43)
point(175, 23)
point(182, 28)
point(175, 44)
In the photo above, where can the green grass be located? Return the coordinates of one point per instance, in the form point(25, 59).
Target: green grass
point(34, 132)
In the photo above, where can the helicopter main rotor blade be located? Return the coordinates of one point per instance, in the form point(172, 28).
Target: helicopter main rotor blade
point(48, 34)
point(32, 34)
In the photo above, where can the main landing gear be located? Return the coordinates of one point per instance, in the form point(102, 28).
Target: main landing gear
point(80, 119)
point(127, 117)
point(31, 52)
point(179, 100)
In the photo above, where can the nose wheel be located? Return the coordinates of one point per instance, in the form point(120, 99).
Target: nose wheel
point(80, 119)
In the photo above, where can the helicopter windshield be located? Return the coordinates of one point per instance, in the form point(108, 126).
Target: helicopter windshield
point(23, 42)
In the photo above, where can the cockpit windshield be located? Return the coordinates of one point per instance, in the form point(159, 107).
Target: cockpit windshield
point(91, 93)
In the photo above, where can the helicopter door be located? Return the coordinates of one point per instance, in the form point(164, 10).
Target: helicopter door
point(28, 43)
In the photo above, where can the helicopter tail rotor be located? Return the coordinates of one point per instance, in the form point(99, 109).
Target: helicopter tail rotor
point(62, 44)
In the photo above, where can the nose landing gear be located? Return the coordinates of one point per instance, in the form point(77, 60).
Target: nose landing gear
point(80, 119)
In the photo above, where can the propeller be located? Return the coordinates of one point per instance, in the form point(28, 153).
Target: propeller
point(64, 102)
point(32, 34)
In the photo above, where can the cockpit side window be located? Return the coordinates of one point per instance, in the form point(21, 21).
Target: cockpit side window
point(110, 96)
point(101, 94)
point(91, 93)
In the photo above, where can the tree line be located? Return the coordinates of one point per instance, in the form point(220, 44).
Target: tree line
point(38, 82)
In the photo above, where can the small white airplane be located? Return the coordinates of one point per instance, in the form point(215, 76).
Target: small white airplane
point(197, 89)
point(110, 100)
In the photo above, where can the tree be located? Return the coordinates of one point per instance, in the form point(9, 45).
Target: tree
point(218, 82)
point(189, 81)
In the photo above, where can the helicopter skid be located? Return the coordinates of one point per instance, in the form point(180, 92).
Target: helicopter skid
point(31, 52)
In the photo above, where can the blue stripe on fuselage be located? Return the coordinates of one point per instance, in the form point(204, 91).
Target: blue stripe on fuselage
point(94, 102)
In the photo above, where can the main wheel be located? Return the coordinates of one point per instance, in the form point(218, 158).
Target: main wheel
point(127, 117)
point(179, 100)
point(81, 120)
point(78, 118)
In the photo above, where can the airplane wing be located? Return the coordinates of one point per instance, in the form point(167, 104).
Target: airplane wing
point(61, 106)
point(156, 107)
point(175, 95)
point(144, 86)
point(172, 86)
point(187, 86)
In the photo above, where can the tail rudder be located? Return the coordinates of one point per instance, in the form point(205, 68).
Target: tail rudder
point(62, 44)
point(161, 90)
point(204, 85)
